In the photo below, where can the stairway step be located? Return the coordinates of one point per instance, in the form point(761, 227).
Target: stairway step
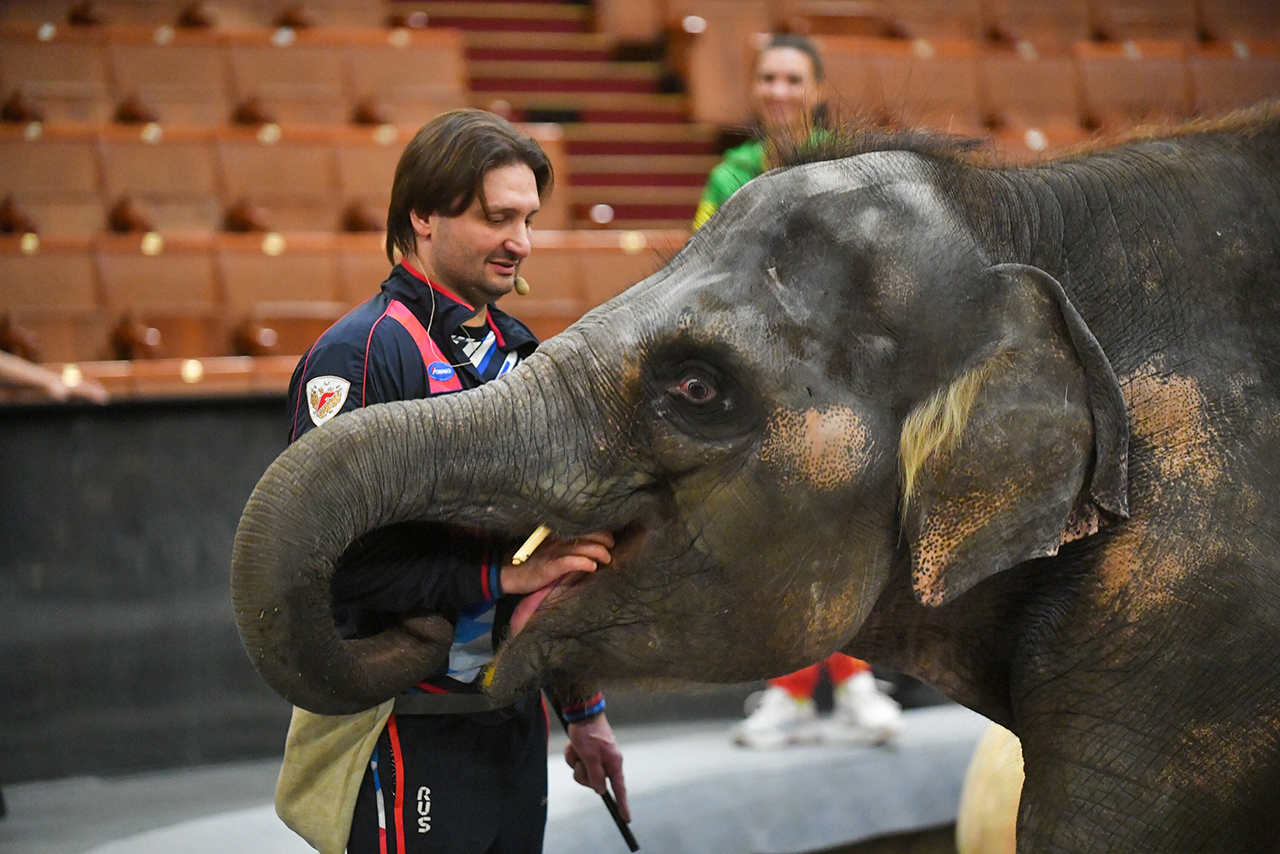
point(505, 17)
point(639, 132)
point(515, 84)
point(627, 214)
point(557, 41)
point(640, 139)
point(622, 147)
point(637, 179)
point(685, 164)
point(680, 223)
point(524, 46)
point(590, 101)
point(586, 106)
point(520, 25)
point(661, 196)
point(480, 9)
point(564, 70)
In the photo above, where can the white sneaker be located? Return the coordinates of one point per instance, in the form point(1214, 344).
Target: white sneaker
point(863, 713)
point(779, 720)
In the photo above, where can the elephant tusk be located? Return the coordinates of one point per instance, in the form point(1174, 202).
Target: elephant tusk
point(530, 545)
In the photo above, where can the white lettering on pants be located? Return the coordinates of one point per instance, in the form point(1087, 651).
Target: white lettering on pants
point(424, 809)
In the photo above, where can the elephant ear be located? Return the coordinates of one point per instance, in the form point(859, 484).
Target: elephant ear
point(1019, 453)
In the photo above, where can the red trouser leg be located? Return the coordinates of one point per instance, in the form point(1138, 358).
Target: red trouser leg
point(839, 666)
point(843, 667)
point(799, 684)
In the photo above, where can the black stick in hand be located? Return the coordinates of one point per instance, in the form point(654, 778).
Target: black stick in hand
point(608, 800)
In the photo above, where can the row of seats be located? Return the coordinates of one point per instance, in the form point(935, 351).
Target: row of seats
point(147, 296)
point(956, 84)
point(208, 77)
point(190, 180)
point(183, 179)
point(335, 76)
point(1061, 20)
point(216, 14)
point(1040, 21)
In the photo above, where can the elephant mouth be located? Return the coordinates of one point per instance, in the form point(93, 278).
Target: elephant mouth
point(629, 546)
point(552, 592)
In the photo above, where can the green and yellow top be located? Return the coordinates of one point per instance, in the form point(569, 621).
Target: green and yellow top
point(739, 166)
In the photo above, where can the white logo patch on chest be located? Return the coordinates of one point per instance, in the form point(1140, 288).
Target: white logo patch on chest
point(325, 396)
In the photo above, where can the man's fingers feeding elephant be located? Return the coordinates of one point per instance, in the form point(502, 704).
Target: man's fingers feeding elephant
point(557, 565)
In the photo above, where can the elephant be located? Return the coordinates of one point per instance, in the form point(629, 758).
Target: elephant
point(1014, 431)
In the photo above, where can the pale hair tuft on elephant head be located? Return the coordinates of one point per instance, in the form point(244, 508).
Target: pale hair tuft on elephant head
point(937, 424)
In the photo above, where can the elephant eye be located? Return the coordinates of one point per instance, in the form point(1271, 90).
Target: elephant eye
point(695, 389)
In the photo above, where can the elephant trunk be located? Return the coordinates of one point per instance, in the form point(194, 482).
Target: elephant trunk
point(439, 459)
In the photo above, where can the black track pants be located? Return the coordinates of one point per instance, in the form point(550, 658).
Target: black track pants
point(456, 784)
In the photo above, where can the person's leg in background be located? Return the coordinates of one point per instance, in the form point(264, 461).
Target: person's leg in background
point(785, 715)
point(863, 713)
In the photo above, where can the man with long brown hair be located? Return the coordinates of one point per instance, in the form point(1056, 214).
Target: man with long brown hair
point(440, 768)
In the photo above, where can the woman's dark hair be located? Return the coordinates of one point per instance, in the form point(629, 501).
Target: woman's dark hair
point(799, 43)
point(442, 169)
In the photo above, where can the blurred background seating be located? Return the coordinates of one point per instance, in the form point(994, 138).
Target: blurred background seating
point(143, 137)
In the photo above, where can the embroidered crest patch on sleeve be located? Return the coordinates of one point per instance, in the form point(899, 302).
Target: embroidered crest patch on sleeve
point(325, 396)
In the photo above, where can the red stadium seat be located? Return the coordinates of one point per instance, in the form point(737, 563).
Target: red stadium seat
point(1052, 23)
point(297, 75)
point(34, 11)
point(49, 285)
point(53, 173)
point(150, 13)
point(930, 82)
point(1134, 82)
point(366, 160)
point(1030, 87)
point(166, 283)
point(413, 75)
point(171, 171)
point(258, 268)
point(179, 73)
point(336, 13)
point(844, 60)
point(961, 19)
point(868, 18)
point(61, 69)
point(1229, 76)
point(1117, 20)
point(291, 172)
point(1227, 20)
point(289, 327)
point(362, 266)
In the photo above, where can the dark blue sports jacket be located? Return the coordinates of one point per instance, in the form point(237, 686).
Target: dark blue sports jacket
point(398, 346)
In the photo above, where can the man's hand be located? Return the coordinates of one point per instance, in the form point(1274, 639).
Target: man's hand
point(556, 558)
point(593, 754)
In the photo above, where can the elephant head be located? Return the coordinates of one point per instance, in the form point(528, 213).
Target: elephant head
point(831, 382)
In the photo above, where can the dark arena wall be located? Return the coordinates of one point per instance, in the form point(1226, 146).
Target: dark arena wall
point(118, 641)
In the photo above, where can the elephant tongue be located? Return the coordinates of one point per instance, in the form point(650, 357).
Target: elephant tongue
point(530, 603)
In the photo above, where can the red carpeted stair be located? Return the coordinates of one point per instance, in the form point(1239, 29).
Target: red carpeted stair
point(631, 146)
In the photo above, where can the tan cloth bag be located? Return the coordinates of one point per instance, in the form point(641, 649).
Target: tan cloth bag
point(324, 761)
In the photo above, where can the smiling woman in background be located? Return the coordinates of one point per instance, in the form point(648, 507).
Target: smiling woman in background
point(787, 102)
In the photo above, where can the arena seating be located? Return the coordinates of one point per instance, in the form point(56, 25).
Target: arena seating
point(286, 121)
point(1133, 82)
point(182, 77)
point(201, 295)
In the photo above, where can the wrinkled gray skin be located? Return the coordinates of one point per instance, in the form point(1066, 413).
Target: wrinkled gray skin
point(1093, 564)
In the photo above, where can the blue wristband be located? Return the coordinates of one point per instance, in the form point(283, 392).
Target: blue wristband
point(583, 710)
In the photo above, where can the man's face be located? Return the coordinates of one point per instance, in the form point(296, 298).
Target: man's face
point(477, 253)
